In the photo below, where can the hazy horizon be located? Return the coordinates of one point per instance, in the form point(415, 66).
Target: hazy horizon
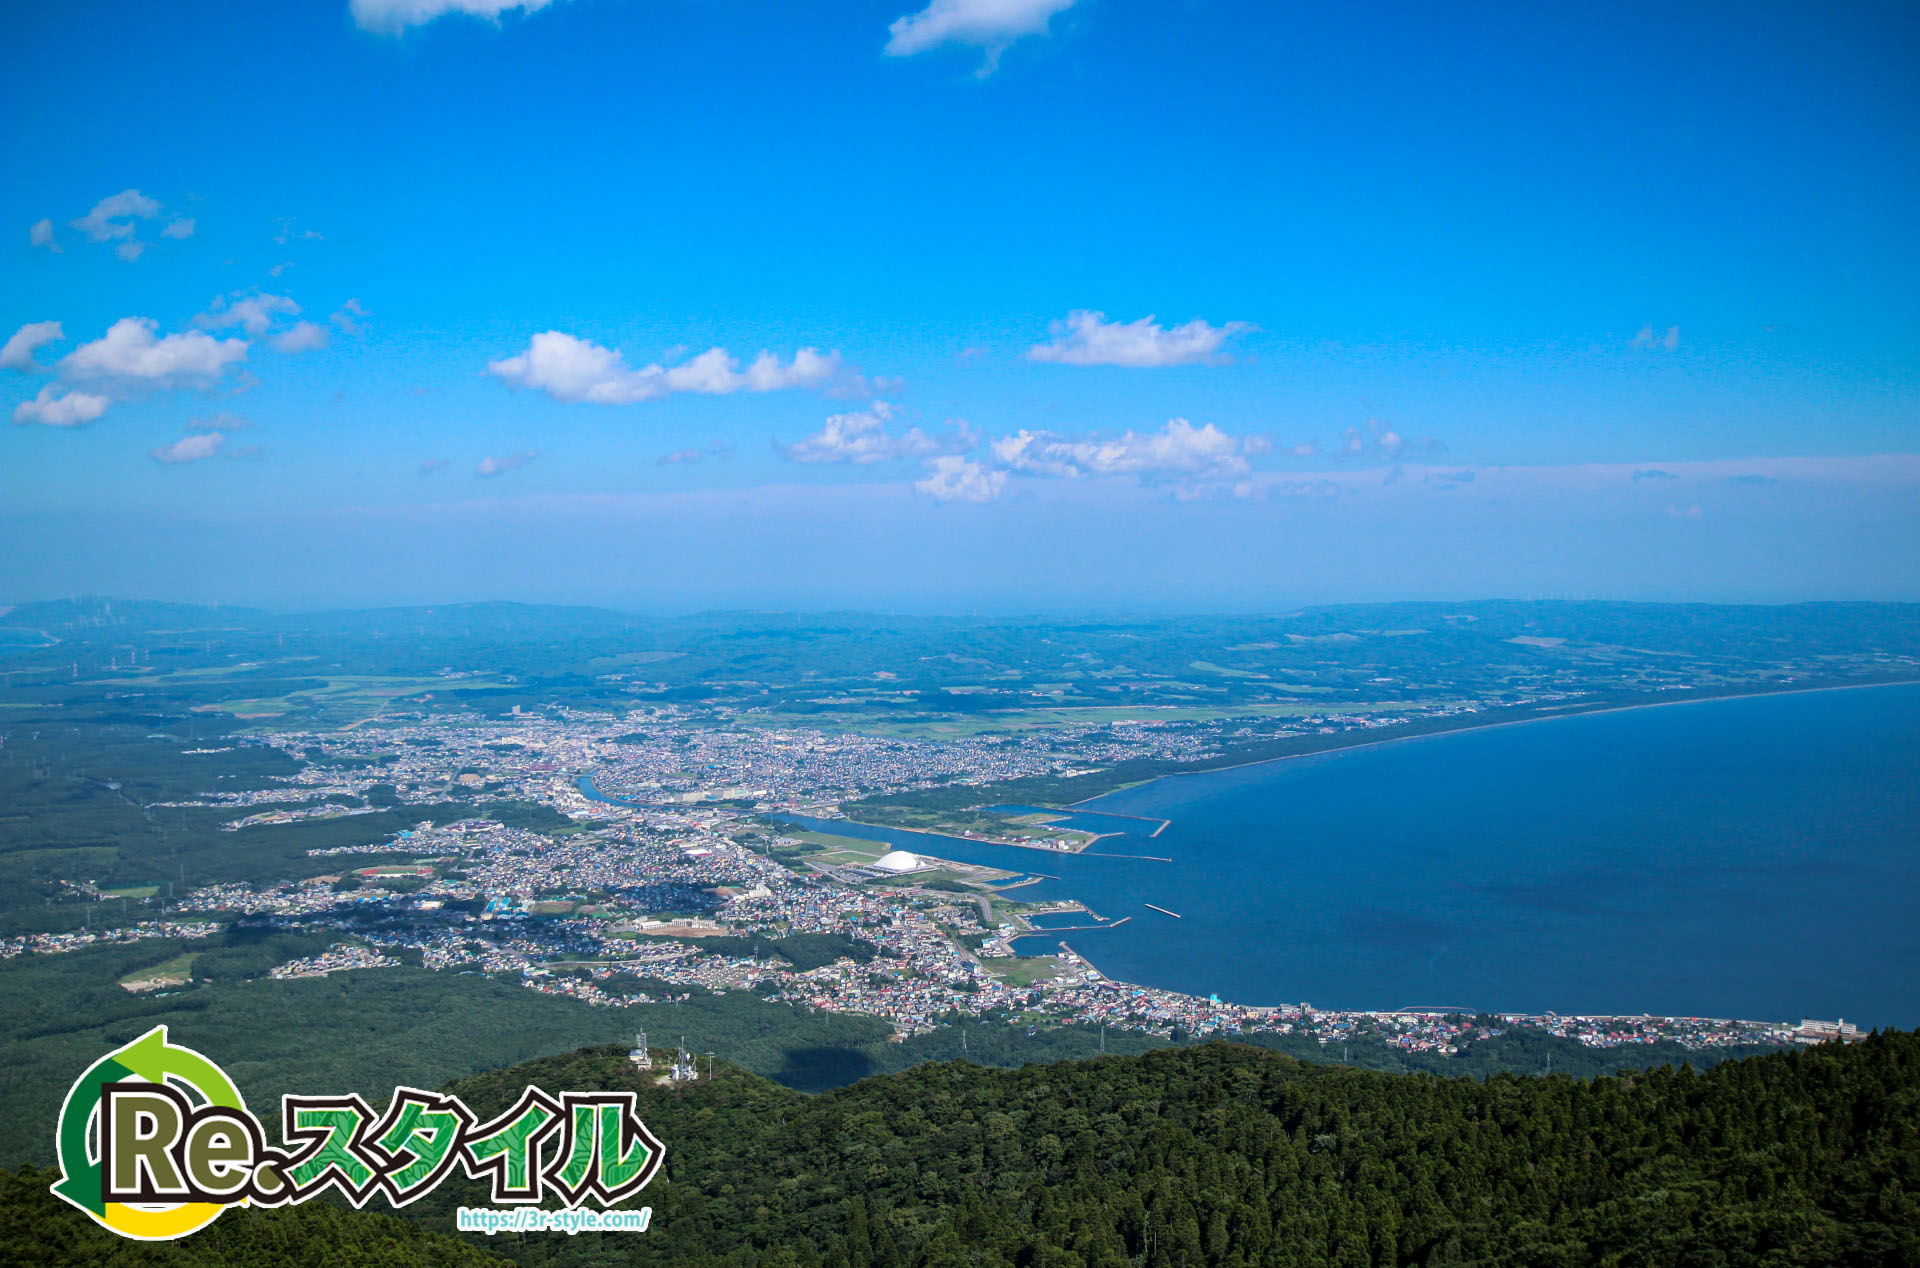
point(1115, 613)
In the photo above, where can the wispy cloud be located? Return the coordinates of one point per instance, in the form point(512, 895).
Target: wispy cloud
point(222, 421)
point(112, 217)
point(302, 336)
point(1088, 338)
point(1646, 338)
point(991, 25)
point(192, 448)
point(350, 318)
point(862, 437)
point(492, 466)
point(289, 231)
point(116, 219)
point(391, 17)
point(253, 312)
point(1379, 442)
point(40, 234)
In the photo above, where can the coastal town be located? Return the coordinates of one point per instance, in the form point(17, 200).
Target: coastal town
point(670, 864)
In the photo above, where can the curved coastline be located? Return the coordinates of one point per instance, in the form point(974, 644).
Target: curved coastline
point(1123, 966)
point(1899, 701)
point(1087, 803)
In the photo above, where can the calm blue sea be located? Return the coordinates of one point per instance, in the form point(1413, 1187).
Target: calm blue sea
point(1754, 857)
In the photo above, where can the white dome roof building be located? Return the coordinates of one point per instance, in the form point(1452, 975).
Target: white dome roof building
point(899, 861)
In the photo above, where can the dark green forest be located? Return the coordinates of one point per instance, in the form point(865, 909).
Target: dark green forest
point(1217, 1154)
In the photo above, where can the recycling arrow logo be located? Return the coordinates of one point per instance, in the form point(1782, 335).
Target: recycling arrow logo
point(155, 1141)
point(148, 1059)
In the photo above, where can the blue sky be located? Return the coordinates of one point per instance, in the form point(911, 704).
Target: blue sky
point(1019, 303)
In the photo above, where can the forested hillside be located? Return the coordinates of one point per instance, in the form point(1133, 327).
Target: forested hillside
point(1221, 1154)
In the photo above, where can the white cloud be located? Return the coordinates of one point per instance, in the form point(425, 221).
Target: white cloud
point(289, 233)
point(130, 251)
point(391, 17)
point(491, 466)
point(1179, 448)
point(863, 438)
point(952, 478)
point(192, 448)
point(430, 465)
point(300, 337)
point(986, 24)
point(1088, 338)
point(181, 228)
point(718, 451)
point(40, 234)
point(129, 351)
point(113, 216)
point(570, 369)
point(1647, 339)
point(1380, 441)
point(18, 352)
point(350, 318)
point(254, 314)
point(69, 410)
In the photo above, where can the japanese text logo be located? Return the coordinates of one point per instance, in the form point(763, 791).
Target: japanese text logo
point(155, 1142)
